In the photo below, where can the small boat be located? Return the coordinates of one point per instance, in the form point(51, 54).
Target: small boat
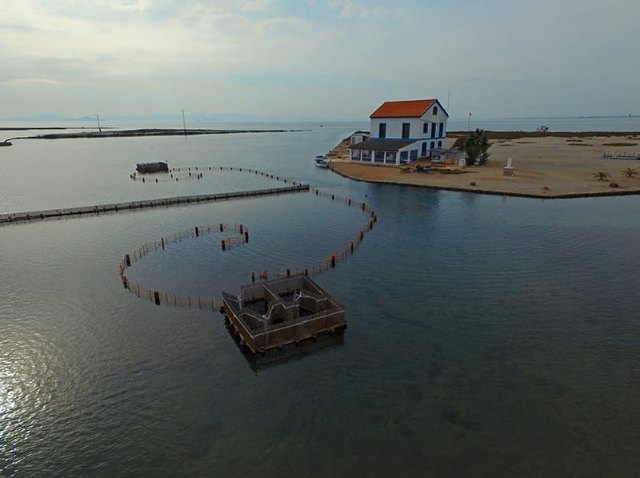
point(321, 162)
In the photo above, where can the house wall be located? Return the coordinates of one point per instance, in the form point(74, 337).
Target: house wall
point(394, 125)
point(394, 130)
point(438, 118)
point(404, 155)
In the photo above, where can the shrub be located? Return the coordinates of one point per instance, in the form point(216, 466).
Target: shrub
point(477, 146)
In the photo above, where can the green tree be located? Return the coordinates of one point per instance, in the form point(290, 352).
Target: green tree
point(477, 146)
point(602, 175)
point(630, 172)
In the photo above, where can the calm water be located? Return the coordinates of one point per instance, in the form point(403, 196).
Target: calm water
point(487, 336)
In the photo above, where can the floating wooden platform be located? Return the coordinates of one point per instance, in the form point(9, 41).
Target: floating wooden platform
point(137, 205)
point(283, 311)
point(261, 361)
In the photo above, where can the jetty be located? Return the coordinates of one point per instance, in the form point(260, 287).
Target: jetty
point(19, 217)
point(279, 312)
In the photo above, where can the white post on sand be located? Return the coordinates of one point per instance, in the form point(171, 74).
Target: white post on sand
point(508, 169)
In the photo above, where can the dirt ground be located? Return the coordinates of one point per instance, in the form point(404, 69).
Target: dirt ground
point(543, 167)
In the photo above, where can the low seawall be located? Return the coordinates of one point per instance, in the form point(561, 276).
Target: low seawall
point(477, 190)
point(26, 216)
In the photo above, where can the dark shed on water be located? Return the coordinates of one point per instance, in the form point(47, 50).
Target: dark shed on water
point(147, 168)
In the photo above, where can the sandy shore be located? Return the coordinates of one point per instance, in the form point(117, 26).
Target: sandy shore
point(543, 167)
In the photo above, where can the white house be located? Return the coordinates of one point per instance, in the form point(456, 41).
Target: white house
point(403, 131)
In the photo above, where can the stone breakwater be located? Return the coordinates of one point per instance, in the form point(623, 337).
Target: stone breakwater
point(129, 133)
point(152, 132)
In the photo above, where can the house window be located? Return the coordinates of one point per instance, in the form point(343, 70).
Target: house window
point(439, 144)
point(435, 110)
point(382, 130)
point(406, 127)
point(441, 131)
point(425, 128)
point(433, 144)
point(413, 155)
point(433, 129)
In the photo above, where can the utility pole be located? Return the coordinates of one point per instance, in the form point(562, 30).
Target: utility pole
point(184, 124)
point(99, 128)
point(469, 122)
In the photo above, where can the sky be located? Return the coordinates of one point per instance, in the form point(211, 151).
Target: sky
point(333, 59)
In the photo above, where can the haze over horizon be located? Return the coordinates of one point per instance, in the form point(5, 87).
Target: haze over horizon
point(335, 59)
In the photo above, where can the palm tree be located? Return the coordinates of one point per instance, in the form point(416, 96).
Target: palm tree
point(602, 175)
point(476, 146)
point(630, 172)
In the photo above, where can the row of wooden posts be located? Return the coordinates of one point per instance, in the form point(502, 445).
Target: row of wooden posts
point(27, 216)
point(242, 237)
point(158, 297)
point(196, 173)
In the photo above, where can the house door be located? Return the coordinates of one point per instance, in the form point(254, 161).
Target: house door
point(424, 149)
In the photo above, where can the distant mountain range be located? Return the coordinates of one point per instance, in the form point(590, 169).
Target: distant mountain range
point(39, 117)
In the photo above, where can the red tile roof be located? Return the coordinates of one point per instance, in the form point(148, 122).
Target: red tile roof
point(402, 109)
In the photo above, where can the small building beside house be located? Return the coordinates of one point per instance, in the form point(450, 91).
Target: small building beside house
point(359, 136)
point(402, 132)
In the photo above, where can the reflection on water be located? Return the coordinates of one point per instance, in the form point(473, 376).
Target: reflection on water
point(486, 336)
point(9, 396)
point(291, 352)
